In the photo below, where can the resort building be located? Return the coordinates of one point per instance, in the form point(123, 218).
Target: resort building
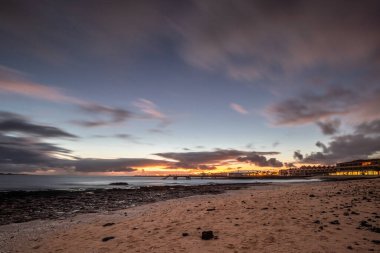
point(308, 171)
point(369, 167)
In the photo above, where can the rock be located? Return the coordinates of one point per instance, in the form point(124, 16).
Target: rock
point(376, 241)
point(375, 229)
point(317, 222)
point(312, 196)
point(364, 223)
point(119, 183)
point(207, 235)
point(185, 234)
point(335, 222)
point(105, 239)
point(211, 209)
point(108, 224)
point(349, 247)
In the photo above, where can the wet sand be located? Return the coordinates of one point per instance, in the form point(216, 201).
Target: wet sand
point(314, 217)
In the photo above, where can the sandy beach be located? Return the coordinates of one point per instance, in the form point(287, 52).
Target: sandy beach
point(312, 217)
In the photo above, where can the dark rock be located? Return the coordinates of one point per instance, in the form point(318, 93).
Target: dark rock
point(108, 224)
point(211, 209)
point(207, 235)
point(364, 223)
point(185, 234)
point(317, 222)
point(119, 183)
point(349, 247)
point(335, 222)
point(376, 241)
point(105, 239)
point(312, 196)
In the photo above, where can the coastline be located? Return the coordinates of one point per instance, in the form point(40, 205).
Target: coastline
point(23, 206)
point(333, 216)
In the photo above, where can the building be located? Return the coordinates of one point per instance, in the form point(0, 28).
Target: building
point(369, 167)
point(308, 171)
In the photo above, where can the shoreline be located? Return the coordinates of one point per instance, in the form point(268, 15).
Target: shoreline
point(24, 206)
point(340, 216)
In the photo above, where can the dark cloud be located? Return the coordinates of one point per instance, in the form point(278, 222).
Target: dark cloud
point(297, 155)
point(268, 40)
point(29, 152)
point(210, 156)
point(260, 160)
point(309, 108)
point(21, 154)
point(10, 122)
point(106, 115)
point(363, 143)
point(199, 160)
point(28, 155)
point(372, 127)
point(329, 127)
point(105, 31)
point(26, 151)
point(345, 148)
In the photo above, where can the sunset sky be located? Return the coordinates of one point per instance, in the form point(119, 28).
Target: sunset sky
point(94, 86)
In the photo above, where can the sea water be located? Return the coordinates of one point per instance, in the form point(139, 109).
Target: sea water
point(66, 182)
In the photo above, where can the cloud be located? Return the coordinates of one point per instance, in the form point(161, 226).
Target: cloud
point(14, 123)
point(265, 40)
point(195, 160)
point(363, 143)
point(309, 108)
point(238, 108)
point(110, 115)
point(297, 155)
point(260, 160)
point(345, 148)
point(372, 127)
point(108, 32)
point(150, 110)
point(329, 127)
point(116, 165)
point(25, 154)
point(12, 81)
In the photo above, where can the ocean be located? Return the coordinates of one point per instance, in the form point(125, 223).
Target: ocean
point(39, 182)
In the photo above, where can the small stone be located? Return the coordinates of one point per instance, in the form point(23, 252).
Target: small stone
point(364, 223)
point(105, 239)
point(185, 234)
point(207, 235)
point(349, 247)
point(335, 222)
point(108, 224)
point(312, 196)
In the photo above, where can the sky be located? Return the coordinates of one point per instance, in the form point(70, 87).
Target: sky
point(192, 86)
